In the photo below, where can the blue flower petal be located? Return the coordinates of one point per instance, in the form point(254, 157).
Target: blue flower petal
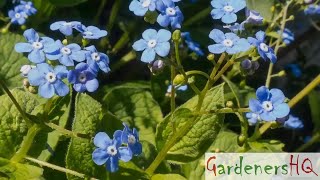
point(163, 20)
point(260, 35)
point(238, 4)
point(253, 41)
point(229, 18)
point(112, 164)
point(149, 34)
point(267, 116)
point(262, 93)
point(23, 47)
point(61, 89)
point(92, 85)
point(125, 154)
point(163, 35)
point(217, 35)
point(103, 65)
point(102, 140)
point(56, 25)
point(148, 55)
point(37, 56)
point(35, 78)
point(66, 60)
point(277, 96)
point(46, 90)
point(255, 106)
point(31, 35)
point(79, 87)
point(217, 4)
point(163, 49)
point(217, 48)
point(78, 56)
point(100, 156)
point(217, 13)
point(281, 110)
point(140, 45)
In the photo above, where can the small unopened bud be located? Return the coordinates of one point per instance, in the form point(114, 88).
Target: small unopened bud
point(191, 80)
point(210, 57)
point(176, 35)
point(25, 69)
point(217, 150)
point(23, 27)
point(178, 80)
point(241, 140)
point(65, 42)
point(4, 30)
point(246, 64)
point(85, 42)
point(156, 66)
point(26, 83)
point(281, 73)
point(32, 89)
point(229, 104)
point(291, 18)
point(273, 8)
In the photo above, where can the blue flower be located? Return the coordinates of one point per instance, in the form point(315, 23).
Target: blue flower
point(131, 137)
point(169, 14)
point(295, 70)
point(49, 80)
point(293, 123)
point(264, 50)
point(253, 118)
point(83, 79)
point(312, 9)
point(226, 9)
point(28, 7)
point(36, 47)
point(65, 27)
point(140, 7)
point(287, 36)
point(66, 54)
point(253, 17)
point(18, 15)
point(109, 151)
point(228, 42)
point(153, 43)
point(97, 60)
point(178, 88)
point(193, 46)
point(270, 104)
point(91, 32)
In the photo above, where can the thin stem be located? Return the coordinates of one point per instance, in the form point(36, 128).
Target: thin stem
point(188, 73)
point(224, 111)
point(26, 143)
point(100, 10)
point(314, 139)
point(268, 81)
point(173, 96)
point(16, 104)
point(314, 24)
point(66, 132)
point(58, 168)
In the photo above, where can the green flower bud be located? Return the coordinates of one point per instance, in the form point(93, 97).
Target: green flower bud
point(176, 35)
point(229, 104)
point(241, 139)
point(4, 30)
point(23, 27)
point(178, 80)
point(65, 42)
point(210, 57)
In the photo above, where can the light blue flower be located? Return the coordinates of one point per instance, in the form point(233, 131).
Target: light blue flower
point(97, 60)
point(153, 43)
point(66, 54)
point(18, 15)
point(312, 9)
point(287, 36)
point(131, 138)
point(109, 151)
point(270, 104)
point(236, 27)
point(83, 79)
point(228, 42)
point(178, 88)
point(91, 32)
point(169, 14)
point(140, 7)
point(253, 118)
point(49, 80)
point(193, 46)
point(226, 9)
point(36, 47)
point(264, 50)
point(28, 7)
point(293, 123)
point(65, 27)
point(253, 17)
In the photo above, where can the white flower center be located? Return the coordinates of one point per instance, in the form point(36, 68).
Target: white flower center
point(37, 45)
point(17, 15)
point(82, 77)
point(152, 43)
point(25, 69)
point(170, 11)
point(112, 150)
point(67, 24)
point(65, 51)
point(27, 6)
point(228, 42)
point(88, 33)
point(95, 56)
point(131, 139)
point(264, 47)
point(146, 3)
point(51, 77)
point(228, 8)
point(267, 105)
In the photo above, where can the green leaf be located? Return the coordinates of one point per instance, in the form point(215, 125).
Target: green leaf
point(203, 132)
point(266, 146)
point(132, 104)
point(194, 170)
point(10, 60)
point(67, 3)
point(13, 127)
point(167, 176)
point(226, 141)
point(314, 102)
point(17, 171)
point(128, 170)
point(86, 121)
point(264, 7)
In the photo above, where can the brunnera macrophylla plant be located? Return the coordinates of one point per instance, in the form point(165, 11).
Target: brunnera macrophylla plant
point(66, 112)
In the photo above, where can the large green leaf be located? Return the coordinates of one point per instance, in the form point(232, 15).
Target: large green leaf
point(203, 132)
point(167, 176)
point(133, 104)
point(86, 121)
point(314, 102)
point(66, 3)
point(10, 60)
point(13, 127)
point(264, 7)
point(266, 146)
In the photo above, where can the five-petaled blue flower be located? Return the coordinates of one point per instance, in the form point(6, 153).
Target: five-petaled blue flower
point(28, 7)
point(65, 27)
point(153, 43)
point(293, 123)
point(97, 60)
point(264, 50)
point(83, 79)
point(140, 7)
point(91, 32)
point(270, 104)
point(193, 46)
point(36, 47)
point(66, 54)
point(226, 9)
point(169, 14)
point(109, 151)
point(228, 42)
point(131, 137)
point(49, 80)
point(18, 15)
point(287, 36)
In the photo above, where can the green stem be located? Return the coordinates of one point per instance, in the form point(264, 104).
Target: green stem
point(114, 13)
point(100, 10)
point(66, 132)
point(224, 111)
point(26, 143)
point(173, 96)
point(188, 73)
point(58, 168)
point(314, 139)
point(16, 104)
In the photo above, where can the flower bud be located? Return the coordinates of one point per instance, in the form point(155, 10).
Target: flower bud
point(281, 73)
point(23, 27)
point(156, 66)
point(291, 18)
point(241, 140)
point(176, 35)
point(65, 42)
point(32, 90)
point(4, 30)
point(246, 64)
point(178, 80)
point(210, 57)
point(25, 69)
point(229, 104)
point(26, 83)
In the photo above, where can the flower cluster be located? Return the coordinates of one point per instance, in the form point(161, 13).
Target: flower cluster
point(169, 13)
point(269, 106)
point(21, 12)
point(192, 45)
point(79, 66)
point(312, 9)
point(123, 146)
